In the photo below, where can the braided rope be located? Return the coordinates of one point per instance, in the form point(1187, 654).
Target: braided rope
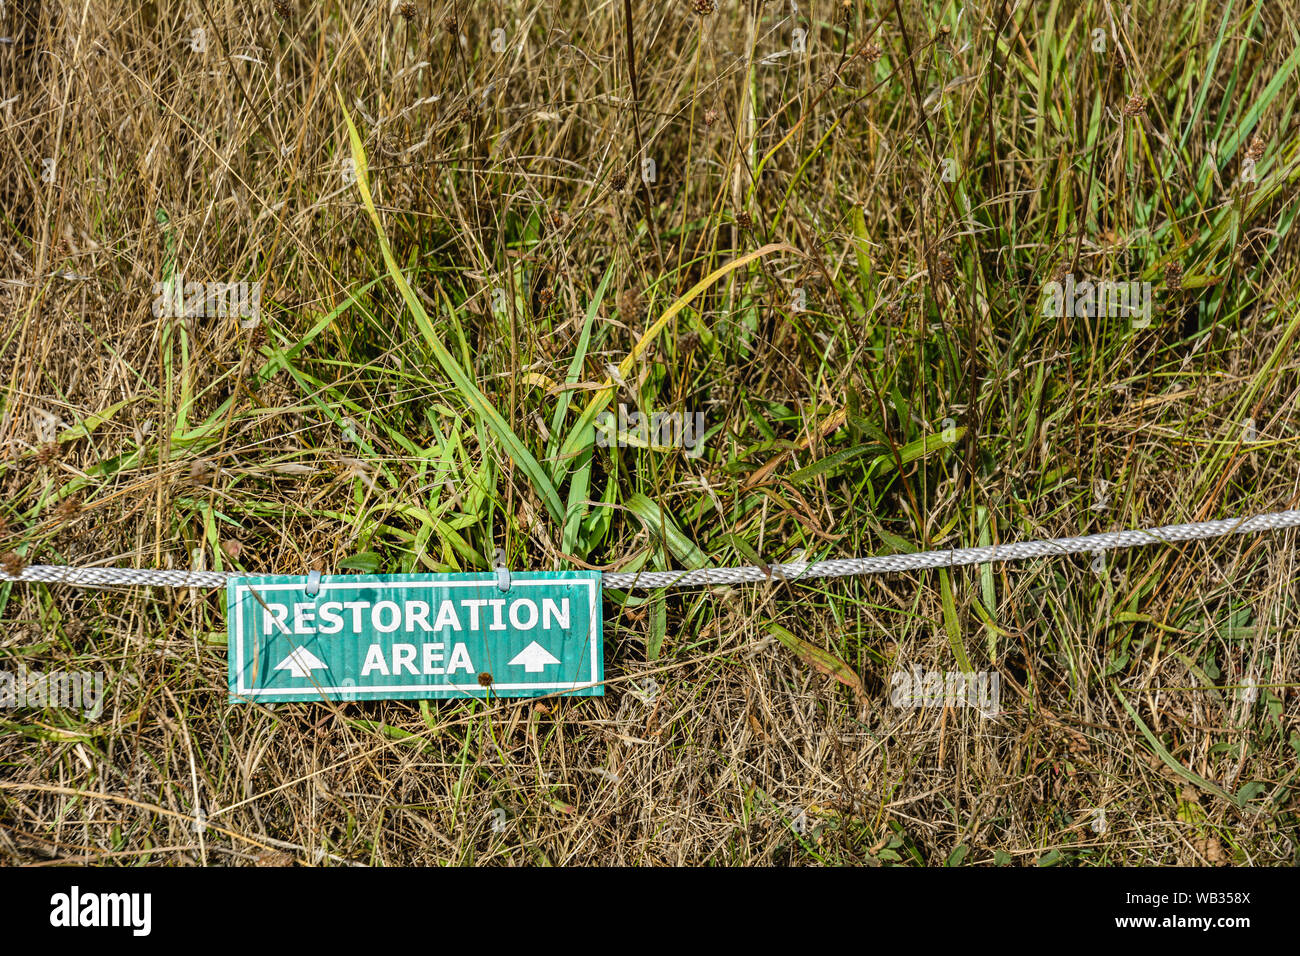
point(108, 577)
point(957, 557)
point(798, 570)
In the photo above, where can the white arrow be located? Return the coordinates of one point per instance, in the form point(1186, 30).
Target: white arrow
point(301, 663)
point(533, 658)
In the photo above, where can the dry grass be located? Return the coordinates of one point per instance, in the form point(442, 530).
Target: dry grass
point(328, 432)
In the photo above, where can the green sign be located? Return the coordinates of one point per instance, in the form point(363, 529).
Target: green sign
point(411, 636)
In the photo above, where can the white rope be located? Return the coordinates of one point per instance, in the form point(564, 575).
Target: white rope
point(799, 570)
point(957, 557)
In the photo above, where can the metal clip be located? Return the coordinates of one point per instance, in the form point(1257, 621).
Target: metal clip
point(313, 583)
point(503, 573)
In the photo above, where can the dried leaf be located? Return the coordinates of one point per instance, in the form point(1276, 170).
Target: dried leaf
point(822, 660)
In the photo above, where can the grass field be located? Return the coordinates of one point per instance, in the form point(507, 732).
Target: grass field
point(831, 229)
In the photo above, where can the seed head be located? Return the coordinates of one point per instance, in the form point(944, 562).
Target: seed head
point(1174, 275)
point(744, 220)
point(1136, 106)
point(618, 181)
point(703, 7)
point(485, 679)
point(710, 117)
point(68, 508)
point(48, 453)
point(1255, 150)
point(408, 11)
point(1210, 847)
point(945, 267)
point(12, 564)
point(283, 7)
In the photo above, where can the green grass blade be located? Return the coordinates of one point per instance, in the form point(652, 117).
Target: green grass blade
point(520, 455)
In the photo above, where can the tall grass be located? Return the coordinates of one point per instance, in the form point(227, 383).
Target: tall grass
point(838, 255)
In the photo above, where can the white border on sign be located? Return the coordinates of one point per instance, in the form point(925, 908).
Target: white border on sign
point(243, 691)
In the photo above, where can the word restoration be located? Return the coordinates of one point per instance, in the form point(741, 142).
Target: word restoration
point(413, 636)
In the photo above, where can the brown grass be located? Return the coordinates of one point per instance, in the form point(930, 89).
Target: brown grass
point(745, 753)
